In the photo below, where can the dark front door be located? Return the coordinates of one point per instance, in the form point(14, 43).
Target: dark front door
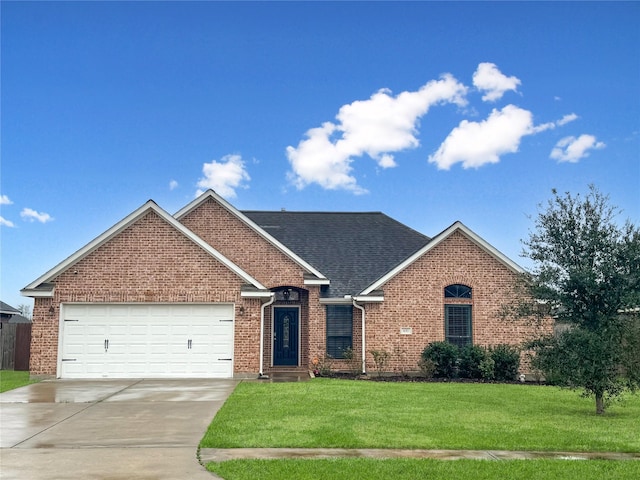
point(285, 336)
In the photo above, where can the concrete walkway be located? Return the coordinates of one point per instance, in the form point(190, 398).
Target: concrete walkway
point(107, 429)
point(220, 455)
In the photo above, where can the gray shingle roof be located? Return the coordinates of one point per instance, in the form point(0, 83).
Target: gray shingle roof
point(8, 309)
point(351, 249)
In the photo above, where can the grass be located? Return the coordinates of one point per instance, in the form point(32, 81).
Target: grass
point(10, 379)
point(350, 414)
point(337, 469)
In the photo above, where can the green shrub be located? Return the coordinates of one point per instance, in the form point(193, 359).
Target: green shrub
point(507, 362)
point(427, 367)
point(444, 356)
point(469, 361)
point(381, 359)
point(488, 368)
point(353, 362)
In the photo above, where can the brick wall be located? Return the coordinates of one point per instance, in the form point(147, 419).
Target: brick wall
point(260, 259)
point(243, 246)
point(415, 298)
point(150, 261)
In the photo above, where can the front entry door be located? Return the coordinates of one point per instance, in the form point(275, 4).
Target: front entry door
point(285, 336)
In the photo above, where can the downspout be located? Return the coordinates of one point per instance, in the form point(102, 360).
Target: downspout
point(264, 305)
point(364, 367)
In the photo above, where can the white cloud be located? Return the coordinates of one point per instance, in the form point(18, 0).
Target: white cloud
point(317, 160)
point(487, 78)
point(544, 126)
point(558, 123)
point(572, 149)
point(477, 143)
point(173, 185)
point(6, 223)
point(4, 200)
point(31, 215)
point(224, 176)
point(377, 127)
point(387, 161)
point(566, 119)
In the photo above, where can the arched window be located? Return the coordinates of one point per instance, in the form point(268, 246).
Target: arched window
point(457, 291)
point(457, 317)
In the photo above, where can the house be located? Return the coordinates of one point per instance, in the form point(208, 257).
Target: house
point(10, 314)
point(216, 292)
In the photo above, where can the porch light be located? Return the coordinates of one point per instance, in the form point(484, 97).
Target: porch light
point(287, 294)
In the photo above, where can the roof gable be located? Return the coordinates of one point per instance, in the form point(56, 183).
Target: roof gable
point(210, 194)
point(39, 286)
point(437, 240)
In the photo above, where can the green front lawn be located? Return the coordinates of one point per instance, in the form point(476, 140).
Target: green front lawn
point(10, 379)
point(353, 414)
point(347, 469)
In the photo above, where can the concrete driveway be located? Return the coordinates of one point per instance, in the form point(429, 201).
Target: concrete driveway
point(107, 429)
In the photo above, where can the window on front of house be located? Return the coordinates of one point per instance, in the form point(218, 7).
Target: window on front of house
point(457, 319)
point(457, 291)
point(339, 329)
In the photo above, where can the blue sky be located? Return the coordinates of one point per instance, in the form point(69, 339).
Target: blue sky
point(429, 112)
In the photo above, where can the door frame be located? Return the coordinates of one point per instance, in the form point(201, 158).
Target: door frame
point(273, 327)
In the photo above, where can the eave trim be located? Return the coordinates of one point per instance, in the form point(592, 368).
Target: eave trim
point(336, 300)
point(37, 293)
point(317, 281)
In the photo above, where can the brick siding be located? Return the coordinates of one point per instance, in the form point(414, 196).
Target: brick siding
point(150, 261)
point(242, 245)
point(415, 298)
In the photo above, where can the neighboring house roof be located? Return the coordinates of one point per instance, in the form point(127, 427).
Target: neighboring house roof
point(351, 249)
point(8, 309)
point(11, 315)
point(17, 318)
point(42, 288)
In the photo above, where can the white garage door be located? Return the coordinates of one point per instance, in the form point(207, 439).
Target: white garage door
point(147, 340)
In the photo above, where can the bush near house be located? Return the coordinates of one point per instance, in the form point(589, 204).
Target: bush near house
point(507, 362)
point(470, 360)
point(500, 362)
point(444, 356)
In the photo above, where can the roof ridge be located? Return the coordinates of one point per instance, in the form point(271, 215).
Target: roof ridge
point(324, 212)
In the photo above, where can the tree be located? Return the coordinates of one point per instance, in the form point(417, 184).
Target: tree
point(587, 276)
point(25, 310)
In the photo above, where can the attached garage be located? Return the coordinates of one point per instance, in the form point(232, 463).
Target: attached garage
point(114, 340)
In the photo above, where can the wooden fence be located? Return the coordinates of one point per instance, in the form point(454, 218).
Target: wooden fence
point(15, 346)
